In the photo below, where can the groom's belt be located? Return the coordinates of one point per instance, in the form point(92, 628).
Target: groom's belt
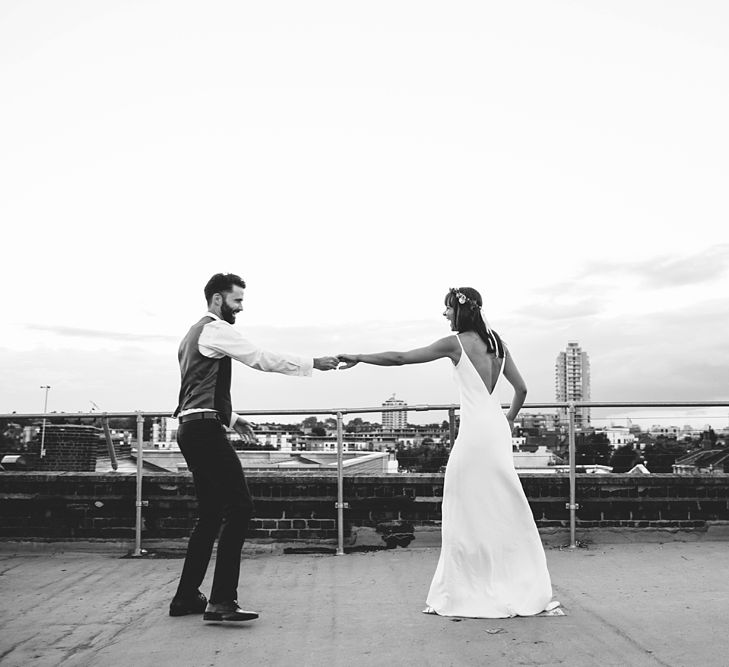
point(200, 415)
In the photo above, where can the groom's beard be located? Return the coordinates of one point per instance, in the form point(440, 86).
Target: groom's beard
point(227, 312)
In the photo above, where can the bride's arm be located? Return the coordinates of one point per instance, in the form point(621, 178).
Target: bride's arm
point(511, 373)
point(445, 347)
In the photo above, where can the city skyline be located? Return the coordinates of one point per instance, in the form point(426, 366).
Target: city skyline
point(696, 419)
point(352, 165)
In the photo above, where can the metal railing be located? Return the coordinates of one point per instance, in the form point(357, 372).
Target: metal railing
point(570, 408)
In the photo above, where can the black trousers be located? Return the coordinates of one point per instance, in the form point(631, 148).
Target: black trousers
point(224, 500)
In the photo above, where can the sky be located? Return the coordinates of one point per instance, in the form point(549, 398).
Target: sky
point(352, 161)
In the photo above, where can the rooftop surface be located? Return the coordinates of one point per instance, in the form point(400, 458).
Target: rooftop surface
point(625, 604)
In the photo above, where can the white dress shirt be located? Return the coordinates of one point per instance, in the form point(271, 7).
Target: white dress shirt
point(220, 339)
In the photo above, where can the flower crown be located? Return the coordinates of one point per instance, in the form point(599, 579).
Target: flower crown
point(462, 298)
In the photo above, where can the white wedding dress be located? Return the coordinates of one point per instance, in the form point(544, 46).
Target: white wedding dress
point(492, 563)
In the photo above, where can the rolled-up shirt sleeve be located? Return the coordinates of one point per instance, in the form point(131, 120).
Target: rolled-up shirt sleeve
point(218, 339)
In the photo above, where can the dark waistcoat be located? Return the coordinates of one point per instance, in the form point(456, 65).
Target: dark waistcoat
point(205, 382)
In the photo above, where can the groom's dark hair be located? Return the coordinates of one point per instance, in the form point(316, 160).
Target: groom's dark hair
point(468, 317)
point(221, 283)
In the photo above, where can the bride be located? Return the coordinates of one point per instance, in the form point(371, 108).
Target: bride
point(492, 563)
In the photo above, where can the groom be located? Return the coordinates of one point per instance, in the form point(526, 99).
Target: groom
point(204, 411)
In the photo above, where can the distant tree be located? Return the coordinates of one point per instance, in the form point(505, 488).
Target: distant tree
point(11, 436)
point(309, 422)
point(592, 449)
point(353, 425)
point(357, 425)
point(428, 458)
point(660, 456)
point(624, 458)
point(316, 427)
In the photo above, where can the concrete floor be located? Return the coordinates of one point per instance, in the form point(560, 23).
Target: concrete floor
point(625, 604)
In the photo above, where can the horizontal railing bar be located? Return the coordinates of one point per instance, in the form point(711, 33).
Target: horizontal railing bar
point(648, 404)
point(380, 408)
point(313, 411)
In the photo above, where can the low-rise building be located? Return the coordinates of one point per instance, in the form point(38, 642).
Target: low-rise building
point(354, 463)
point(538, 421)
point(538, 459)
point(703, 462)
point(351, 442)
point(618, 435)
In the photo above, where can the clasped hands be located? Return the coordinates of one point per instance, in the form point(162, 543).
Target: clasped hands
point(244, 428)
point(332, 363)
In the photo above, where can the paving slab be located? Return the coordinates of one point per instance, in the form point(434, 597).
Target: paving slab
point(624, 604)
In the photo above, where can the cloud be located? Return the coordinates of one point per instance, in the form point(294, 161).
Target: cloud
point(116, 336)
point(353, 337)
point(667, 271)
point(672, 356)
point(119, 379)
point(602, 288)
point(555, 309)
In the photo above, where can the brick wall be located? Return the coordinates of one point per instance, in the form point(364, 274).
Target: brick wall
point(298, 506)
point(71, 448)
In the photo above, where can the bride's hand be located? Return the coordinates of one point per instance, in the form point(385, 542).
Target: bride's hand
point(348, 360)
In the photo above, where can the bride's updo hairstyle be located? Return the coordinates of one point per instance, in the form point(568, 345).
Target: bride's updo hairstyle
point(466, 303)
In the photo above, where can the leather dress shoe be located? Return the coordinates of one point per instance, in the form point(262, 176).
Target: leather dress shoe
point(228, 611)
point(182, 606)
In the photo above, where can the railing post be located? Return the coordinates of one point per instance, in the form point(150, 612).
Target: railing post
point(340, 487)
point(572, 505)
point(43, 439)
point(109, 442)
point(45, 412)
point(451, 426)
point(140, 461)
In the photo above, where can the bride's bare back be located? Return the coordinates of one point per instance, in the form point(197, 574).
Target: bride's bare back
point(486, 363)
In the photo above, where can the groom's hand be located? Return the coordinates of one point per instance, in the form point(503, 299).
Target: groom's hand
point(326, 363)
point(245, 430)
point(348, 360)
